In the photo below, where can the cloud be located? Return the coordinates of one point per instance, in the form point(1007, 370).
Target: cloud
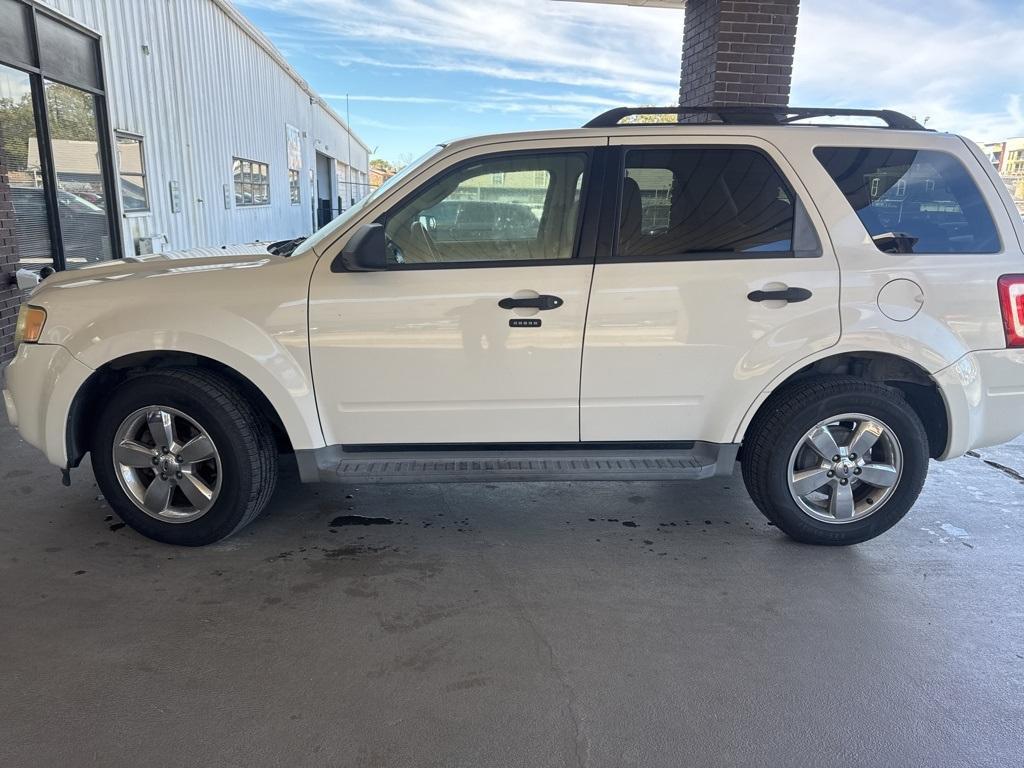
point(629, 52)
point(956, 62)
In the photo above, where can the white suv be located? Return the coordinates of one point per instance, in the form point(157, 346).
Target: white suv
point(829, 305)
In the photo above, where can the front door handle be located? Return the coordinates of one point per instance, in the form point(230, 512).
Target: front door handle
point(541, 302)
point(792, 295)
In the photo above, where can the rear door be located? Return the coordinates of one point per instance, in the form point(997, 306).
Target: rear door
point(716, 278)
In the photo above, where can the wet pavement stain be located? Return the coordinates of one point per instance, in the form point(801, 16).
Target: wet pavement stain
point(360, 520)
point(354, 550)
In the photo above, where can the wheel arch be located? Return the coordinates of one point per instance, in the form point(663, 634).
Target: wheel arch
point(84, 410)
point(923, 392)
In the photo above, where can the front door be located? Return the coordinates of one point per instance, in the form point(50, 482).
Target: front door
point(474, 332)
point(717, 283)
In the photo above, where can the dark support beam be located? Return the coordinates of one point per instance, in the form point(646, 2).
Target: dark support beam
point(738, 52)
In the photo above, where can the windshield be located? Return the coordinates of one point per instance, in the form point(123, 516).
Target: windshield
point(343, 220)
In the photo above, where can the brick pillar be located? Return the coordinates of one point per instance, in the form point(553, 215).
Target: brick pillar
point(738, 53)
point(10, 296)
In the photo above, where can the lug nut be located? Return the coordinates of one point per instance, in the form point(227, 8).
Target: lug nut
point(177, 475)
point(831, 473)
point(163, 475)
point(835, 458)
point(853, 456)
point(856, 471)
point(843, 481)
point(165, 449)
point(156, 460)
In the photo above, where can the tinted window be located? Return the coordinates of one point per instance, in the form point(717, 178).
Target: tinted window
point(704, 201)
point(520, 207)
point(913, 201)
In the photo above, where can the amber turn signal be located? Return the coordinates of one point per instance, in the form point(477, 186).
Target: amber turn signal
point(30, 324)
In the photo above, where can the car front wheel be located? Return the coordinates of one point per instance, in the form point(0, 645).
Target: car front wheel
point(182, 457)
point(835, 461)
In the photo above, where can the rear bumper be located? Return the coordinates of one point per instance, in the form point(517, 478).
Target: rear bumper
point(41, 383)
point(984, 394)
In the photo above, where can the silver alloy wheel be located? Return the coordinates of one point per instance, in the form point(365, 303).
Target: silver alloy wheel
point(845, 468)
point(167, 464)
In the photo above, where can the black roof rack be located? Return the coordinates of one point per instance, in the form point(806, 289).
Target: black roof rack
point(757, 115)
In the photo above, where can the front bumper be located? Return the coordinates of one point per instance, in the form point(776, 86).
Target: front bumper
point(984, 394)
point(41, 384)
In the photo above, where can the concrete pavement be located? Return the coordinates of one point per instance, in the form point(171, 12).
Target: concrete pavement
point(534, 625)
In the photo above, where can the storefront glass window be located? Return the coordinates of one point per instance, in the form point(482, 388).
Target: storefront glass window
point(78, 166)
point(21, 176)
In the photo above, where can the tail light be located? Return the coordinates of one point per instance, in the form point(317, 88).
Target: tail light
point(1011, 299)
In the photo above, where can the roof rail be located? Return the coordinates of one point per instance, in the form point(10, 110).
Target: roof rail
point(757, 115)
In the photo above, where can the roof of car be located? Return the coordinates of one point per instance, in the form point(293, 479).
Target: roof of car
point(725, 121)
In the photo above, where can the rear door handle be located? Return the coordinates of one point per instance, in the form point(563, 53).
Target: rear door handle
point(541, 302)
point(792, 295)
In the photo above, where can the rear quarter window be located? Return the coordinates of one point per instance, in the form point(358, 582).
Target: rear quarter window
point(913, 201)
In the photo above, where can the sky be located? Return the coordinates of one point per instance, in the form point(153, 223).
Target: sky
point(420, 72)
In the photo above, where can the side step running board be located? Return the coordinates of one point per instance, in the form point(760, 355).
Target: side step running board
point(334, 464)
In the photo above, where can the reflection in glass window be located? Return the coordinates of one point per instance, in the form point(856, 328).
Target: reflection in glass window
point(704, 201)
point(252, 182)
point(912, 201)
point(81, 187)
point(132, 172)
point(19, 149)
point(519, 207)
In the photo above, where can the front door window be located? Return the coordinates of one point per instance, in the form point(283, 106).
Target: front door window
point(520, 208)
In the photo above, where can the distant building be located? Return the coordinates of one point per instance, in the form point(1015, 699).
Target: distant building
point(995, 151)
point(1008, 159)
point(378, 176)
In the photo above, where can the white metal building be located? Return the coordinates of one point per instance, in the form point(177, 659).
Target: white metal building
point(201, 133)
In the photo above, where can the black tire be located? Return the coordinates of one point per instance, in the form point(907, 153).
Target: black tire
point(796, 409)
point(244, 441)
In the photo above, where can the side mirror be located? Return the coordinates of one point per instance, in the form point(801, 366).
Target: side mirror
point(365, 251)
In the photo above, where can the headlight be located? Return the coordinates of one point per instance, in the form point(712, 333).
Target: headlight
point(30, 324)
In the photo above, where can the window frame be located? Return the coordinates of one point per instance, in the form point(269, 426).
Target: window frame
point(294, 190)
point(965, 167)
point(144, 175)
point(612, 211)
point(266, 166)
point(588, 211)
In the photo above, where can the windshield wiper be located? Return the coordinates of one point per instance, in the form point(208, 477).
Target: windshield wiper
point(285, 247)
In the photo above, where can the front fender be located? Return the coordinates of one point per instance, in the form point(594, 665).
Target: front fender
point(270, 366)
point(249, 316)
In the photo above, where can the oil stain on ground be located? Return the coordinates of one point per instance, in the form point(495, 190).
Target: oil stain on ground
point(360, 520)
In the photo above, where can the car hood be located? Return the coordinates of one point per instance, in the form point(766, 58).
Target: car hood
point(157, 265)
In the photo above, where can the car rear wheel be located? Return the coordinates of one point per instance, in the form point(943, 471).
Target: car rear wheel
point(182, 457)
point(835, 461)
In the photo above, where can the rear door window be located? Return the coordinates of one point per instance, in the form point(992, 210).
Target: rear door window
point(704, 203)
point(913, 201)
